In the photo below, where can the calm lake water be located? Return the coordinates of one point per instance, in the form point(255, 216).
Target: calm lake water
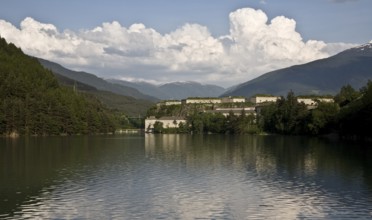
point(184, 177)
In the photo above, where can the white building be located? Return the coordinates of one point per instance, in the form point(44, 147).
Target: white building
point(202, 101)
point(172, 102)
point(233, 99)
point(169, 103)
point(168, 122)
point(236, 111)
point(313, 101)
point(263, 99)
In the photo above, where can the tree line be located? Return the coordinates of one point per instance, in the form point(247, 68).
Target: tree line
point(33, 103)
point(349, 116)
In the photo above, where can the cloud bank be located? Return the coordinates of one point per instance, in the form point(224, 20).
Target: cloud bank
point(253, 46)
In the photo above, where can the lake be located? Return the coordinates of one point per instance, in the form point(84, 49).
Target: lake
point(184, 177)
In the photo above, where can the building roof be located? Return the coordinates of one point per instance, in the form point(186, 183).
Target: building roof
point(167, 118)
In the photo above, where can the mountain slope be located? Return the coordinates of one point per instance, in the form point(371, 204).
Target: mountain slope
point(143, 87)
point(129, 105)
point(325, 76)
point(94, 81)
point(175, 90)
point(33, 103)
point(182, 90)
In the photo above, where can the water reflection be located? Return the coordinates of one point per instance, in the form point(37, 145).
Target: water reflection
point(34, 170)
point(184, 177)
point(283, 177)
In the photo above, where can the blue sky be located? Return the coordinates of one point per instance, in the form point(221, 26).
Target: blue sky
point(328, 20)
point(175, 38)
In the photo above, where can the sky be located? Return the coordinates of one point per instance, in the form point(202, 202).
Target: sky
point(222, 42)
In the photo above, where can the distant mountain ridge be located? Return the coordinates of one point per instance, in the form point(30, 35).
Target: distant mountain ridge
point(129, 105)
point(94, 81)
point(325, 76)
point(143, 87)
point(138, 90)
point(175, 90)
point(111, 95)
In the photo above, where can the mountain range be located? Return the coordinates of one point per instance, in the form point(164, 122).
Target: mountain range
point(320, 77)
point(174, 90)
point(127, 104)
point(138, 90)
point(94, 81)
point(128, 100)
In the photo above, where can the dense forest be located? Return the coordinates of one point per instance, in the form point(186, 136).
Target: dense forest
point(126, 100)
point(350, 116)
point(33, 103)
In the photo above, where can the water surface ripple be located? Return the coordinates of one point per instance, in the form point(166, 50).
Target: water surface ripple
point(184, 177)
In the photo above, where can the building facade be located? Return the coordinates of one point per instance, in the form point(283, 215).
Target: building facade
point(202, 101)
point(168, 122)
point(235, 111)
point(313, 101)
point(263, 99)
point(233, 99)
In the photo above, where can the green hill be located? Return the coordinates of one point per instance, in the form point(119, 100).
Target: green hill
point(33, 103)
point(94, 81)
point(126, 104)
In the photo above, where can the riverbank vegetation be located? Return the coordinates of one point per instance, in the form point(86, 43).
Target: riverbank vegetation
point(348, 116)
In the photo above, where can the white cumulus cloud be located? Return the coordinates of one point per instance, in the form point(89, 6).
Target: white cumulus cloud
point(253, 46)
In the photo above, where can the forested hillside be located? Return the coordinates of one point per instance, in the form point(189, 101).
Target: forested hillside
point(94, 81)
point(33, 103)
point(124, 104)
